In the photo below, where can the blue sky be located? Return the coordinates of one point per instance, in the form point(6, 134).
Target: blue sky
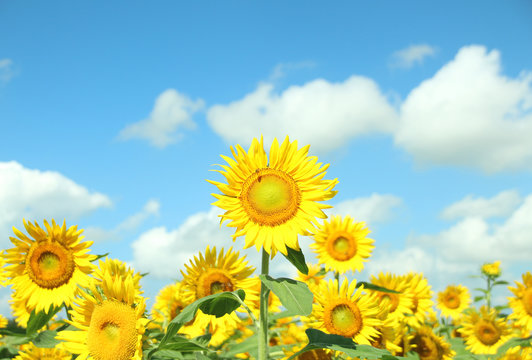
point(112, 115)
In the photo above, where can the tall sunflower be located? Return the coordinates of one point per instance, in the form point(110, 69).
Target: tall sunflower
point(422, 303)
point(272, 201)
point(399, 304)
point(484, 332)
point(342, 245)
point(214, 273)
point(47, 268)
point(429, 346)
point(109, 316)
point(346, 311)
point(521, 303)
point(453, 300)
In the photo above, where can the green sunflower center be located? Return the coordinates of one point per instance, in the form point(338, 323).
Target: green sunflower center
point(343, 318)
point(270, 197)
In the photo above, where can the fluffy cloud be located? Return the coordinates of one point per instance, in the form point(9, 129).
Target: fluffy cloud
point(38, 195)
point(171, 113)
point(324, 114)
point(6, 70)
point(412, 55)
point(469, 114)
point(503, 204)
point(476, 239)
point(151, 208)
point(372, 209)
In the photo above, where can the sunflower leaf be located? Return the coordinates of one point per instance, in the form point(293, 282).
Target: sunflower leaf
point(319, 340)
point(98, 257)
point(297, 259)
point(217, 304)
point(374, 287)
point(294, 295)
point(523, 342)
point(46, 339)
point(38, 320)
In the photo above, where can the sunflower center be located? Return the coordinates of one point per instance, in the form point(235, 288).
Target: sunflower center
point(214, 281)
point(343, 319)
point(112, 331)
point(486, 332)
point(270, 197)
point(426, 348)
point(341, 246)
point(452, 301)
point(527, 301)
point(49, 265)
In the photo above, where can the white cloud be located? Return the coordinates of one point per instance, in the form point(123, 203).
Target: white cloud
point(6, 70)
point(372, 209)
point(280, 70)
point(503, 204)
point(37, 195)
point(469, 114)
point(476, 239)
point(151, 208)
point(171, 113)
point(412, 55)
point(324, 114)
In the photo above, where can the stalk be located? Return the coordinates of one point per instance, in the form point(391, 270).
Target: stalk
point(263, 314)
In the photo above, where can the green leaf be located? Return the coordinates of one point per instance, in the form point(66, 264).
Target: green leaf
point(38, 320)
point(46, 339)
point(297, 259)
point(523, 342)
point(319, 340)
point(98, 257)
point(374, 287)
point(478, 298)
point(501, 282)
point(482, 290)
point(249, 345)
point(222, 305)
point(169, 354)
point(294, 295)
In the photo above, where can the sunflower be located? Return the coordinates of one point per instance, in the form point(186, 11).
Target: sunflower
point(422, 303)
point(20, 309)
point(213, 273)
point(388, 333)
point(429, 346)
point(31, 352)
point(521, 304)
point(109, 316)
point(272, 201)
point(342, 245)
point(453, 300)
point(314, 277)
point(491, 269)
point(484, 332)
point(400, 304)
point(346, 311)
point(116, 267)
point(48, 269)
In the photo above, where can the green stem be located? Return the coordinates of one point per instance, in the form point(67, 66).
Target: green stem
point(67, 309)
point(488, 295)
point(263, 315)
point(337, 277)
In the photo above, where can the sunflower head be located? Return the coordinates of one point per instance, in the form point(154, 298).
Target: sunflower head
point(492, 270)
point(31, 352)
point(483, 331)
point(47, 267)
point(271, 200)
point(109, 316)
point(521, 302)
point(344, 310)
point(421, 293)
point(453, 300)
point(398, 304)
point(342, 244)
point(429, 346)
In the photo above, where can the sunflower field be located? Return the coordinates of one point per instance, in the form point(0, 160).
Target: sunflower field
point(68, 303)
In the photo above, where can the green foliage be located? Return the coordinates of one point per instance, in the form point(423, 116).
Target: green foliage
point(374, 287)
point(295, 296)
point(46, 339)
point(38, 320)
point(297, 259)
point(319, 340)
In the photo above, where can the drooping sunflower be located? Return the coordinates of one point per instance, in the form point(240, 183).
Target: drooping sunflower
point(453, 300)
point(346, 311)
point(422, 303)
point(31, 352)
point(110, 320)
point(399, 304)
point(521, 303)
point(429, 346)
point(484, 332)
point(272, 200)
point(342, 244)
point(314, 277)
point(213, 273)
point(47, 268)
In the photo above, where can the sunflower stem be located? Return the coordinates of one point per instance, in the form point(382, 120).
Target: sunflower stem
point(337, 277)
point(488, 294)
point(67, 308)
point(263, 316)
